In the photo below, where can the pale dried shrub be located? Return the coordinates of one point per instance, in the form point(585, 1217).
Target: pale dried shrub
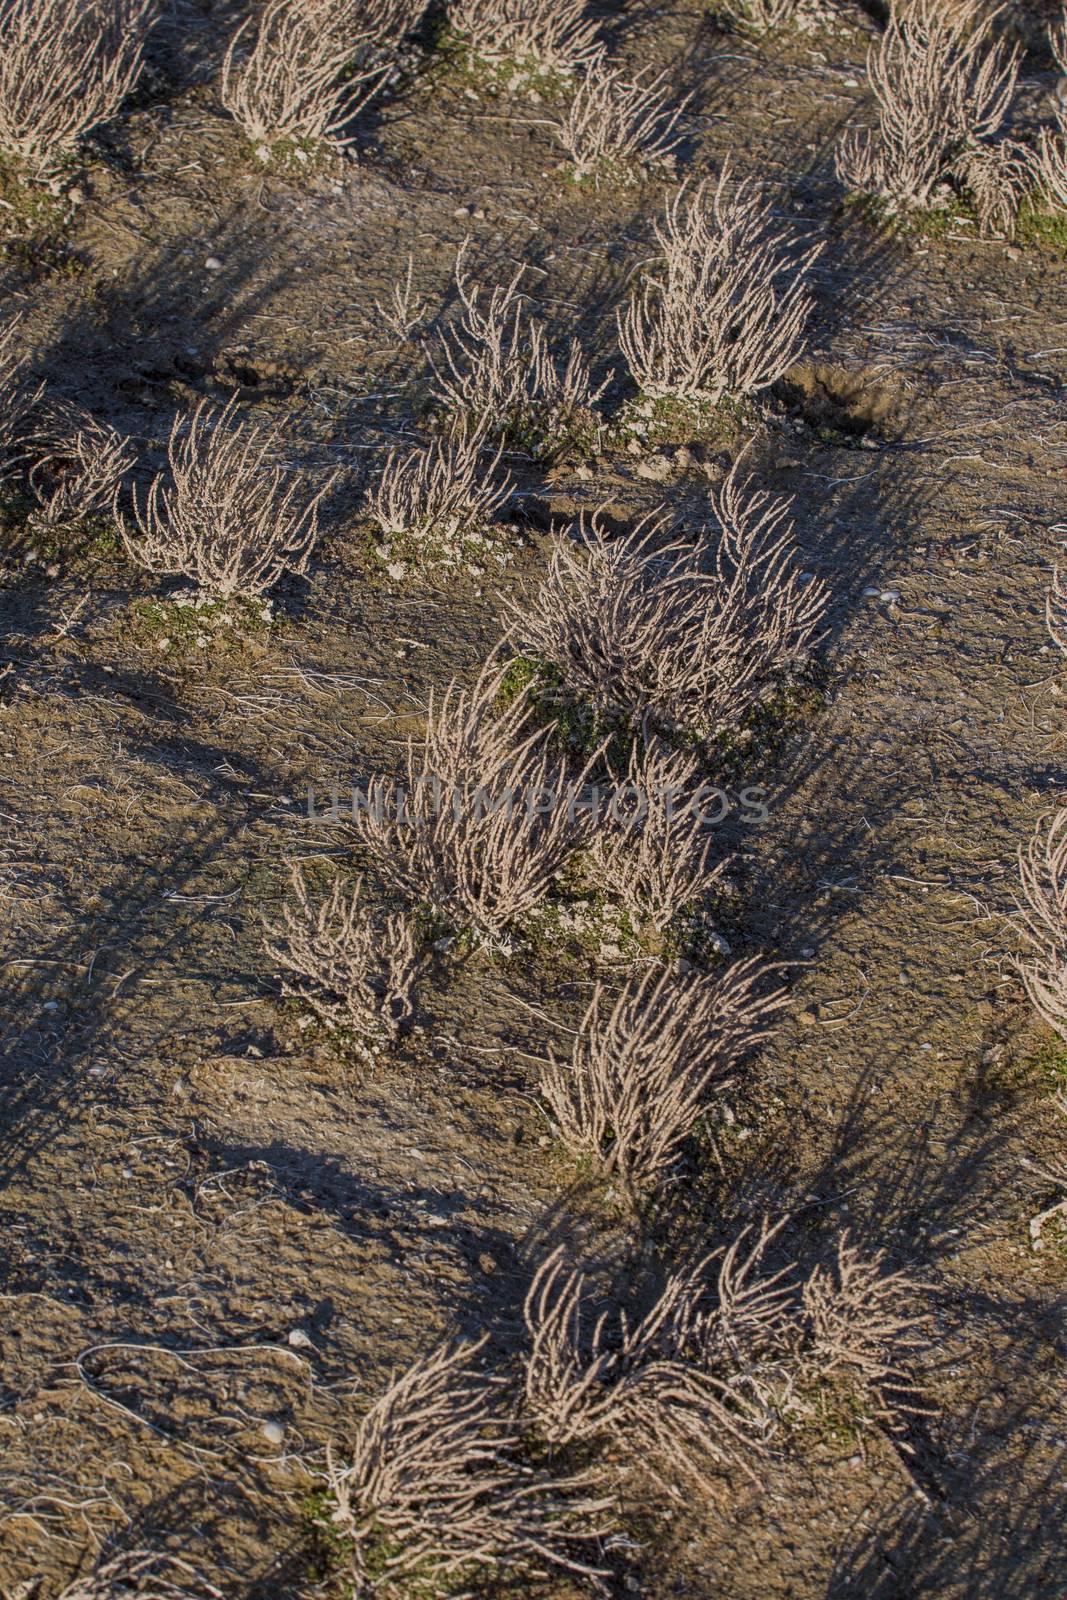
point(640, 1072)
point(434, 1494)
point(485, 821)
point(657, 856)
point(724, 310)
point(305, 68)
point(857, 1326)
point(943, 85)
point(1043, 920)
point(762, 17)
point(997, 178)
point(18, 402)
point(1056, 610)
point(1056, 1174)
point(629, 1388)
point(65, 67)
point(553, 36)
point(436, 502)
point(1052, 143)
point(352, 970)
point(617, 126)
point(226, 515)
point(496, 372)
point(729, 1348)
point(77, 466)
point(146, 1574)
point(676, 636)
point(405, 309)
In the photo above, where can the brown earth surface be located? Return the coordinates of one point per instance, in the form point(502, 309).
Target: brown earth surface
point(188, 1178)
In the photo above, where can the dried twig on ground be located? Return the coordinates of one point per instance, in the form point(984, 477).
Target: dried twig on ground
point(146, 1574)
point(639, 1074)
point(65, 67)
point(488, 817)
point(433, 1493)
point(224, 515)
point(1056, 610)
point(351, 970)
point(616, 125)
point(678, 635)
point(724, 310)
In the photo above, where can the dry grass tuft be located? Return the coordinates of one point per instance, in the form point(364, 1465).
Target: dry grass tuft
point(436, 502)
point(1052, 144)
point(1043, 919)
point(639, 1074)
point(18, 402)
point(305, 68)
point(65, 67)
point(725, 311)
point(658, 857)
point(630, 1389)
point(676, 636)
point(1056, 610)
point(943, 86)
point(77, 467)
point(727, 1349)
point(434, 1495)
point(617, 127)
point(485, 822)
point(224, 515)
point(352, 971)
point(497, 373)
point(553, 36)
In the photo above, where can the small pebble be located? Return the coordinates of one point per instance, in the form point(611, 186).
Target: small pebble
point(299, 1339)
point(273, 1432)
point(213, 264)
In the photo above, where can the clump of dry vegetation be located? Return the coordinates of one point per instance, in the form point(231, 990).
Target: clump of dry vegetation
point(724, 310)
point(436, 502)
point(486, 820)
point(547, 36)
point(639, 1073)
point(301, 71)
point(227, 514)
point(78, 466)
point(1056, 610)
point(727, 1349)
point(18, 401)
point(353, 971)
point(498, 375)
point(676, 635)
point(1043, 920)
point(65, 67)
point(1052, 144)
point(147, 1574)
point(655, 854)
point(943, 84)
point(760, 17)
point(434, 1494)
point(617, 127)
